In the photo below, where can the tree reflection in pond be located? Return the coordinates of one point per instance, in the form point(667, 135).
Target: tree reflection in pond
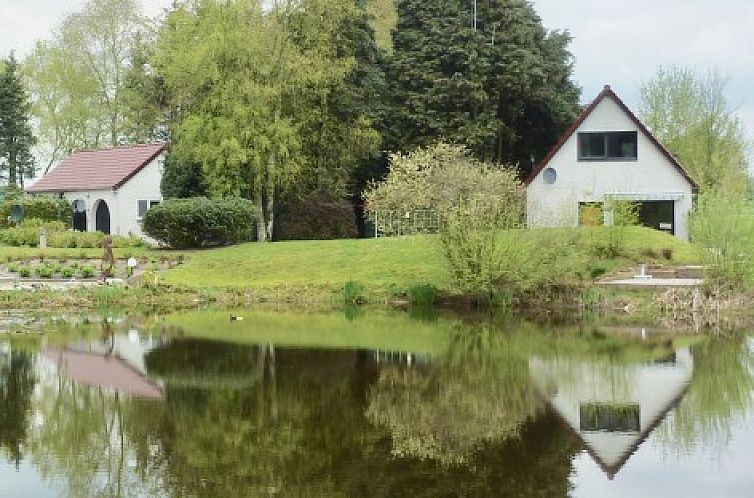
point(720, 394)
point(476, 393)
point(17, 381)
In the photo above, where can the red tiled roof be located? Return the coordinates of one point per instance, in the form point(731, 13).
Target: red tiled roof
point(98, 169)
point(605, 93)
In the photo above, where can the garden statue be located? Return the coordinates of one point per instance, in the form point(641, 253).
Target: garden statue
point(107, 257)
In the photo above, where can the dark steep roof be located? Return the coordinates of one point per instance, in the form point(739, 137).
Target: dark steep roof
point(607, 92)
point(98, 169)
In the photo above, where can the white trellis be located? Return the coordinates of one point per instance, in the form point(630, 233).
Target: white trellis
point(391, 223)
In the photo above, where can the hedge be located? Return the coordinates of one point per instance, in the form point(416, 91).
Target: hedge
point(58, 235)
point(41, 208)
point(199, 222)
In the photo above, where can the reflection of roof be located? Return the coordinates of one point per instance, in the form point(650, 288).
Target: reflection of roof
point(98, 169)
point(655, 388)
point(108, 372)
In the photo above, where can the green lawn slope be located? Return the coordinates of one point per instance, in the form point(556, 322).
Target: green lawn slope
point(391, 262)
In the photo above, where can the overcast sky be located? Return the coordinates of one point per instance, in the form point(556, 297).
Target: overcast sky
point(623, 43)
point(616, 43)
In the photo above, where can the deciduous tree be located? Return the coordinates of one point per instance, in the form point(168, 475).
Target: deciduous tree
point(257, 86)
point(79, 76)
point(693, 117)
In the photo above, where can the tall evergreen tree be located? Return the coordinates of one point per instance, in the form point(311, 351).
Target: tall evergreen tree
point(497, 82)
point(16, 138)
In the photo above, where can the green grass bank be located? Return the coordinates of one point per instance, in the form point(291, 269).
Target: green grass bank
point(393, 264)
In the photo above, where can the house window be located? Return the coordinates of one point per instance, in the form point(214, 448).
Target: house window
point(608, 146)
point(609, 417)
point(144, 206)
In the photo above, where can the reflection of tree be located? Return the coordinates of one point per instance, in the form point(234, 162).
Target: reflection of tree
point(231, 442)
point(83, 440)
point(17, 380)
point(721, 390)
point(478, 393)
point(536, 463)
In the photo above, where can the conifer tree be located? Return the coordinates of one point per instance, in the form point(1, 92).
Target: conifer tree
point(16, 138)
point(497, 82)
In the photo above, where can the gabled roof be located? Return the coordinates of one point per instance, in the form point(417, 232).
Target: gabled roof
point(98, 169)
point(607, 92)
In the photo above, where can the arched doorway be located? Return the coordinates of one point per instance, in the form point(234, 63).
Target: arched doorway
point(102, 217)
point(79, 215)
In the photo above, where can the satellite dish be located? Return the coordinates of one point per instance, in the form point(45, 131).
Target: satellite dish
point(549, 175)
point(17, 213)
point(79, 206)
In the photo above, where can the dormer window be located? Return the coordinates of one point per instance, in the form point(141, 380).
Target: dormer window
point(608, 146)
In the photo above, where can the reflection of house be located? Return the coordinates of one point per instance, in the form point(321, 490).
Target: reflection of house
point(609, 154)
point(116, 362)
point(612, 407)
point(110, 189)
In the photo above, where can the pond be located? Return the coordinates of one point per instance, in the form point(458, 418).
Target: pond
point(372, 405)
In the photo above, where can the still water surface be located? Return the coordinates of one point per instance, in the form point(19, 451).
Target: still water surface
point(376, 405)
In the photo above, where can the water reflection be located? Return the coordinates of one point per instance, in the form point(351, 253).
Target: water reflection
point(464, 410)
point(17, 381)
point(612, 406)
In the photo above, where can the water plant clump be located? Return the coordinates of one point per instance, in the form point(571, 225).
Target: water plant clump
point(354, 292)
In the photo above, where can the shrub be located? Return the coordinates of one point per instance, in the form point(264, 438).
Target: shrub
point(43, 208)
point(621, 213)
point(87, 272)
point(68, 272)
point(24, 271)
point(198, 222)
point(434, 180)
point(722, 230)
point(45, 271)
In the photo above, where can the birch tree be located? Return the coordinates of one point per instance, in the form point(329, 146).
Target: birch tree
point(238, 71)
point(79, 76)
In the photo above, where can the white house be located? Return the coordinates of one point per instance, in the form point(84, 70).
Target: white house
point(609, 154)
point(612, 407)
point(110, 189)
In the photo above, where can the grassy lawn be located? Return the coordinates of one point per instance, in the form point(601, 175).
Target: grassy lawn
point(385, 262)
point(375, 262)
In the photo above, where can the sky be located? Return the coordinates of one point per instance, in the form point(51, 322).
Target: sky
point(623, 43)
point(615, 43)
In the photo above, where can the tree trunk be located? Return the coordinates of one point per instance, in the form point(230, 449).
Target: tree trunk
point(259, 207)
point(270, 210)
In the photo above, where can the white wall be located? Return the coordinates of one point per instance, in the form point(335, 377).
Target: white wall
point(123, 203)
point(651, 176)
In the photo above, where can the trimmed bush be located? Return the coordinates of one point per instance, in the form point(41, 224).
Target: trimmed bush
point(199, 222)
point(43, 208)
